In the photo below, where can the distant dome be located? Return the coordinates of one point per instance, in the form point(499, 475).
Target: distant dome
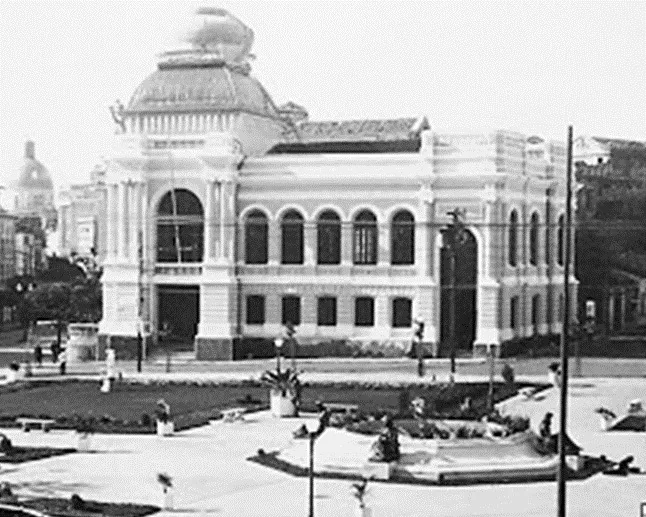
point(211, 76)
point(33, 174)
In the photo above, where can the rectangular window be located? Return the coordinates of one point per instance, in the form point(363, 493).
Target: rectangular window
point(513, 313)
point(291, 310)
point(402, 312)
point(536, 301)
point(255, 310)
point(364, 312)
point(326, 311)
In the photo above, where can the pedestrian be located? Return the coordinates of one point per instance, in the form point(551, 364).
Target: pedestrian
point(38, 354)
point(62, 361)
point(54, 350)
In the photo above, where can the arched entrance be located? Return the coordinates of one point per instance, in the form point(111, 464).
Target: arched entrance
point(466, 285)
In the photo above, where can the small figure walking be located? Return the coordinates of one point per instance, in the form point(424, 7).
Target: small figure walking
point(62, 362)
point(54, 350)
point(38, 354)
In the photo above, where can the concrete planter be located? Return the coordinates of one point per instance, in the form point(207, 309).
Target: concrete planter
point(84, 442)
point(365, 511)
point(281, 406)
point(165, 428)
point(169, 503)
point(553, 378)
point(12, 376)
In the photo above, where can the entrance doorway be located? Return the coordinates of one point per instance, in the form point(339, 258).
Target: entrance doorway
point(178, 314)
point(466, 284)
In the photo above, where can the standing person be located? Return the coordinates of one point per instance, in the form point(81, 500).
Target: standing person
point(54, 350)
point(38, 354)
point(62, 361)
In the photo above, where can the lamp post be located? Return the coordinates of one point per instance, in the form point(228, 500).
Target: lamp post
point(418, 340)
point(454, 236)
point(289, 332)
point(312, 436)
point(278, 342)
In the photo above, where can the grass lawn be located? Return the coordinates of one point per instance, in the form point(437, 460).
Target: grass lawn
point(122, 409)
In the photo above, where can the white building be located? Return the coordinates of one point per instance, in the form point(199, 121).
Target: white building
point(249, 215)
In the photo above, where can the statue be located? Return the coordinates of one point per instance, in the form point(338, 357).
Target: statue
point(117, 115)
point(386, 448)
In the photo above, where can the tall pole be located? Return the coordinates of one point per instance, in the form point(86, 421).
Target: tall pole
point(452, 329)
point(491, 361)
point(140, 338)
point(311, 498)
point(565, 336)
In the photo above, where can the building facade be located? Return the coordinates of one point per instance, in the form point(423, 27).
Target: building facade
point(228, 216)
point(82, 217)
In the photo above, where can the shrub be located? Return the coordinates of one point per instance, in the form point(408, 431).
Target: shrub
point(77, 503)
point(508, 374)
point(5, 444)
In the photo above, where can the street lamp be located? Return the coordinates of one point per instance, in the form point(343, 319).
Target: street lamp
point(278, 342)
point(454, 236)
point(289, 332)
point(418, 340)
point(312, 436)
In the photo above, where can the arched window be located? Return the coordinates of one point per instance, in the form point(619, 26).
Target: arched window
point(534, 224)
point(180, 227)
point(402, 239)
point(560, 248)
point(256, 238)
point(292, 238)
point(365, 238)
point(513, 238)
point(328, 236)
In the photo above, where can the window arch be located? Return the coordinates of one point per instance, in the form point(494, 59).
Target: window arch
point(365, 238)
point(328, 237)
point(256, 238)
point(292, 238)
point(180, 227)
point(513, 238)
point(402, 239)
point(534, 224)
point(560, 248)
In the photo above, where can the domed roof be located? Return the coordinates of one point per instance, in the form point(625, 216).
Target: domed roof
point(211, 76)
point(33, 174)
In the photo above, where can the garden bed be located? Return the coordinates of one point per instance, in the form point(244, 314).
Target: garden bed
point(129, 407)
point(58, 507)
point(24, 454)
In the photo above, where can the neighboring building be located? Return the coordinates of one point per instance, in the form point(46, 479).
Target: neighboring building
point(611, 174)
point(252, 216)
point(34, 190)
point(7, 267)
point(82, 217)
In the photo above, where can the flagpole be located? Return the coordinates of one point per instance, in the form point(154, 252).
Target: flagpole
point(565, 336)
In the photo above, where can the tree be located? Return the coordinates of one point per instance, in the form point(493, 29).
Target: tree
point(50, 302)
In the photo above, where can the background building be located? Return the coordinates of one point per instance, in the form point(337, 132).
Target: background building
point(82, 217)
point(250, 216)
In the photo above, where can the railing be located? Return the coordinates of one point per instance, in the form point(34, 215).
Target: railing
point(178, 269)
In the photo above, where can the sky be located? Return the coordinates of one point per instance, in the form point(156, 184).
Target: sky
point(471, 66)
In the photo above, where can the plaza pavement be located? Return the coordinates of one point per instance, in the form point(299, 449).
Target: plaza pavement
point(212, 476)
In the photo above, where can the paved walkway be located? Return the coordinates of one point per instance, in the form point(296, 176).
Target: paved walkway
point(213, 478)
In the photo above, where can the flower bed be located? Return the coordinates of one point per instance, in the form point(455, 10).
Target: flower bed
point(57, 507)
point(24, 454)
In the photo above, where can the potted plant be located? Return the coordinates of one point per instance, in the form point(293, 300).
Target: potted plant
point(85, 428)
point(165, 426)
point(554, 374)
point(284, 391)
point(359, 491)
point(166, 483)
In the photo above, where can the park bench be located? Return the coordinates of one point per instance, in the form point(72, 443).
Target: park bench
point(44, 424)
point(234, 414)
point(335, 407)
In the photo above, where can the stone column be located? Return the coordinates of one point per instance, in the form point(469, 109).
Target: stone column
point(346, 243)
point(110, 223)
point(223, 219)
point(121, 221)
point(310, 243)
point(422, 241)
point(133, 223)
point(209, 223)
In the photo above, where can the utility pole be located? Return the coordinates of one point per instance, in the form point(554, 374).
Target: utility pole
point(565, 335)
point(140, 308)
